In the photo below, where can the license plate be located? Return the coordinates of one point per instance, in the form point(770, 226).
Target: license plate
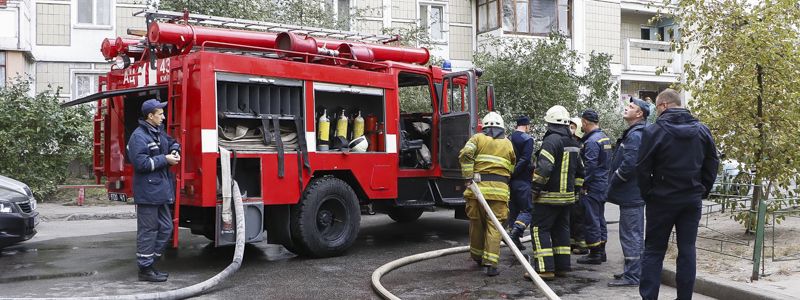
point(118, 197)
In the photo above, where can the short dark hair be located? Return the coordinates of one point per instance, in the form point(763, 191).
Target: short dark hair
point(670, 97)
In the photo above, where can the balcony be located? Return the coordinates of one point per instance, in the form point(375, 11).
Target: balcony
point(647, 56)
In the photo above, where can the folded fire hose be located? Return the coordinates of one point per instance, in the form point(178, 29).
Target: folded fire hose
point(385, 269)
point(238, 253)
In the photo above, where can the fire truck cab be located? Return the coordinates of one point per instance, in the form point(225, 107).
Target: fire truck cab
point(261, 95)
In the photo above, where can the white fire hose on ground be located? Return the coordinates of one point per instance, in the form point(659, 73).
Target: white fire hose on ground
point(385, 269)
point(208, 284)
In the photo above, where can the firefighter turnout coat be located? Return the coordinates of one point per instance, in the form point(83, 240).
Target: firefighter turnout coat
point(559, 169)
point(493, 159)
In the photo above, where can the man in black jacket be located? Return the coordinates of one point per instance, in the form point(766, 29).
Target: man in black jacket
point(624, 191)
point(676, 169)
point(520, 204)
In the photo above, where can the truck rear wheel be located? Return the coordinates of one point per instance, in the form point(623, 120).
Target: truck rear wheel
point(405, 215)
point(326, 221)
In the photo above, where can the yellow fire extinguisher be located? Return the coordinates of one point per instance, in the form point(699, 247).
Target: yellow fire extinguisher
point(358, 126)
point(323, 131)
point(341, 125)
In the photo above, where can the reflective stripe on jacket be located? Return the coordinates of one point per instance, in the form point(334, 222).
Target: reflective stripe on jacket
point(559, 169)
point(486, 155)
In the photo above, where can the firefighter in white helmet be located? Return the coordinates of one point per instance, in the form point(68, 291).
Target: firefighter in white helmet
point(557, 175)
point(488, 159)
point(577, 241)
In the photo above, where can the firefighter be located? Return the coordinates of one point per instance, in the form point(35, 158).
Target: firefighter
point(556, 177)
point(520, 204)
point(596, 154)
point(151, 151)
point(576, 240)
point(488, 159)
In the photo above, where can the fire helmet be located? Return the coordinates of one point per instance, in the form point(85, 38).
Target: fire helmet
point(557, 115)
point(493, 119)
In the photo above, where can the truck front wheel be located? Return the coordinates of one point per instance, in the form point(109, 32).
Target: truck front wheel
point(326, 221)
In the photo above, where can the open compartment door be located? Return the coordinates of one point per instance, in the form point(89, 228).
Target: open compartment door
point(457, 121)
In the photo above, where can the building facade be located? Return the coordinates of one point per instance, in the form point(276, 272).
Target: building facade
point(57, 41)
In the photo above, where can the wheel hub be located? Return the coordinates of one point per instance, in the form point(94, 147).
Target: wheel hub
point(325, 218)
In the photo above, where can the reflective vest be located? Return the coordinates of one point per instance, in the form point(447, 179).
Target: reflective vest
point(485, 155)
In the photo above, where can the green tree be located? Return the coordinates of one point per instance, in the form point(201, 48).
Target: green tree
point(40, 138)
point(746, 84)
point(531, 76)
point(312, 13)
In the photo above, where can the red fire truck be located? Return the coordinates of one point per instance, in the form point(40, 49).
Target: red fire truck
point(260, 91)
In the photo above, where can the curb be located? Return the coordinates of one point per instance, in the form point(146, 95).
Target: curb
point(721, 289)
point(89, 216)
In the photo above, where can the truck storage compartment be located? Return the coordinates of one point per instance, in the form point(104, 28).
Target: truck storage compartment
point(336, 100)
point(259, 114)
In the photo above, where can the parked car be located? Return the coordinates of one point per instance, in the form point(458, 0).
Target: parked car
point(18, 215)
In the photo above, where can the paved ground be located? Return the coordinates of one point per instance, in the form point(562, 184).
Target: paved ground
point(91, 258)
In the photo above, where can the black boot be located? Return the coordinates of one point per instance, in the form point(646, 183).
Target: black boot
point(149, 274)
point(593, 258)
point(160, 273)
point(491, 271)
point(516, 234)
point(603, 252)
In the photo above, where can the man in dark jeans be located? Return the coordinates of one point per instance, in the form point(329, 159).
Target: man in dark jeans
point(676, 169)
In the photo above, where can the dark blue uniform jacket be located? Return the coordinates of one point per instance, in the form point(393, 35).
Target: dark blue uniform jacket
point(597, 160)
point(152, 182)
point(523, 149)
point(678, 160)
point(623, 189)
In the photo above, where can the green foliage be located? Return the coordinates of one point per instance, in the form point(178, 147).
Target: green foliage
point(313, 13)
point(530, 76)
point(747, 85)
point(40, 138)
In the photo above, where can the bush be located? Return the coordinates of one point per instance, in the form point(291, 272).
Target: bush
point(39, 138)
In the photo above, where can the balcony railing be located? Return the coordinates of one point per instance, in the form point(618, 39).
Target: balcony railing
point(647, 56)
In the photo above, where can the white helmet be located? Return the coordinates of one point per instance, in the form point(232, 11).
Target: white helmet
point(493, 119)
point(578, 130)
point(359, 144)
point(557, 115)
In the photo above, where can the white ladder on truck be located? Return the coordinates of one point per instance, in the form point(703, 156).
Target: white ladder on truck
point(232, 23)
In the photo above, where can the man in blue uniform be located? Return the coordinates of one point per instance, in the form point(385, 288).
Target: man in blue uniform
point(151, 151)
point(520, 204)
point(676, 169)
point(596, 154)
point(624, 191)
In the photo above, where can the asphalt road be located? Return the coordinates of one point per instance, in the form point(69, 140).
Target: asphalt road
point(90, 262)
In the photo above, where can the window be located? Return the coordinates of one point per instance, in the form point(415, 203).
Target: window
point(2, 69)
point(488, 15)
point(415, 94)
point(432, 18)
point(94, 12)
point(343, 13)
point(538, 17)
point(84, 85)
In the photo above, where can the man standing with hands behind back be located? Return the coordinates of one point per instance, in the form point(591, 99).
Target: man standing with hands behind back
point(676, 169)
point(152, 152)
point(624, 191)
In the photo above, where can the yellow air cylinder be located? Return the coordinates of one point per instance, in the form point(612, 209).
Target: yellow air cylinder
point(323, 130)
point(358, 126)
point(341, 126)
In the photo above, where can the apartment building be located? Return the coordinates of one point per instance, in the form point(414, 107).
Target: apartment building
point(57, 41)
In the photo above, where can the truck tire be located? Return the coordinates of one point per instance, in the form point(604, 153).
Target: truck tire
point(326, 221)
point(405, 215)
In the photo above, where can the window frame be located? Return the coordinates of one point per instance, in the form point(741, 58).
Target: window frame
point(498, 18)
point(3, 69)
point(94, 24)
point(73, 78)
point(570, 19)
point(443, 21)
